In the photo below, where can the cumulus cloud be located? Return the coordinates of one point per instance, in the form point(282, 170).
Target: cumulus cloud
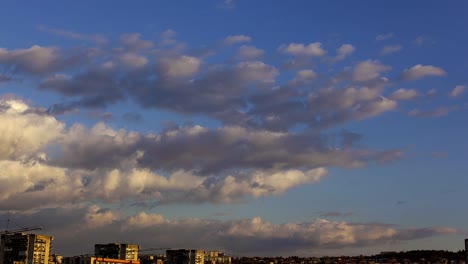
point(391, 49)
point(250, 93)
point(182, 66)
point(369, 70)
point(457, 91)
point(42, 161)
point(305, 76)
point(97, 217)
point(420, 71)
point(248, 236)
point(255, 151)
point(235, 39)
point(249, 53)
point(404, 94)
point(344, 51)
point(33, 60)
point(25, 133)
point(298, 49)
point(133, 41)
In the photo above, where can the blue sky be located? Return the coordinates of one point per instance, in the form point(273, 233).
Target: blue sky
point(256, 128)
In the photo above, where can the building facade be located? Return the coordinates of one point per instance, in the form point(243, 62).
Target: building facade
point(117, 251)
point(216, 257)
point(96, 260)
point(185, 256)
point(23, 248)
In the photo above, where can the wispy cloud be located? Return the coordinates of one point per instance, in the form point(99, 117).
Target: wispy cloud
point(391, 49)
point(73, 35)
point(458, 91)
point(385, 36)
point(438, 112)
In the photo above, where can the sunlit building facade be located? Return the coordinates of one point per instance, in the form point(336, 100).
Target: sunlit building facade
point(117, 251)
point(23, 248)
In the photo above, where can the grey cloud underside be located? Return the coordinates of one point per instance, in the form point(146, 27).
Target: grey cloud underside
point(4, 79)
point(246, 93)
point(42, 160)
point(213, 152)
point(239, 237)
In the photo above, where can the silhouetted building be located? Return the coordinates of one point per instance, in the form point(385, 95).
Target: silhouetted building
point(185, 256)
point(23, 248)
point(117, 251)
point(466, 250)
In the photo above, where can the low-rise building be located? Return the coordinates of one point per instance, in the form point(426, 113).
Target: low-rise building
point(96, 260)
point(185, 256)
point(216, 257)
point(117, 251)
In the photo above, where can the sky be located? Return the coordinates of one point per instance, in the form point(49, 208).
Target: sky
point(257, 128)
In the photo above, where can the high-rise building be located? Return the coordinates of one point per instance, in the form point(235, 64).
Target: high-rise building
point(117, 251)
point(23, 248)
point(185, 256)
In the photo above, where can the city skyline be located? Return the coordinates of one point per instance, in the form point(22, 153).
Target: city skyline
point(268, 128)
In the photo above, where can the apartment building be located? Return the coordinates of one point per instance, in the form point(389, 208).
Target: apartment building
point(21, 248)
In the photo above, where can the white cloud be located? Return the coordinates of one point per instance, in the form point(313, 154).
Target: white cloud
point(305, 76)
point(369, 70)
point(457, 91)
point(404, 94)
point(257, 71)
point(133, 41)
point(144, 220)
point(391, 49)
point(97, 217)
point(24, 133)
point(420, 71)
point(249, 53)
point(376, 108)
point(344, 51)
point(181, 66)
point(235, 39)
point(298, 49)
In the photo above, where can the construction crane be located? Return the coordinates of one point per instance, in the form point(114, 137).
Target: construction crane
point(19, 230)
